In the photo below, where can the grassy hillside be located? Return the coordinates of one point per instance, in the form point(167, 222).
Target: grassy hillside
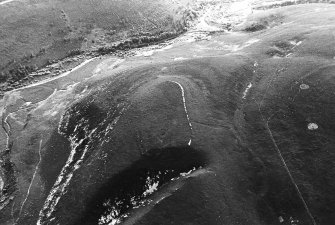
point(33, 33)
point(231, 128)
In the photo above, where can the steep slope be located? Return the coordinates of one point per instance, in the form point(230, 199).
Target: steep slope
point(34, 33)
point(216, 128)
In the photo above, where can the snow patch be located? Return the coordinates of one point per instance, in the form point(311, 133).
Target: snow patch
point(81, 140)
point(179, 58)
point(188, 173)
point(66, 174)
point(295, 42)
point(146, 53)
point(252, 41)
point(304, 86)
point(151, 185)
point(185, 108)
point(293, 221)
point(312, 126)
point(1, 184)
point(246, 91)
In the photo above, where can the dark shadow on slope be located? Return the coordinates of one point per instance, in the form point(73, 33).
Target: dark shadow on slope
point(129, 188)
